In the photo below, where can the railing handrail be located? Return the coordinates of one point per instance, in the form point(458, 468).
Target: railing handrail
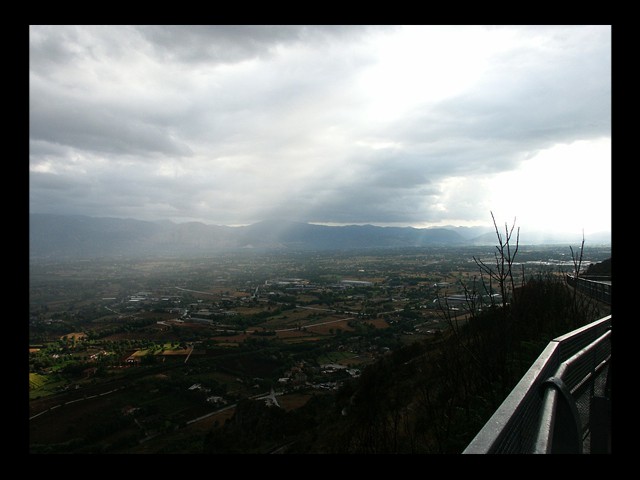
point(596, 278)
point(598, 289)
point(515, 426)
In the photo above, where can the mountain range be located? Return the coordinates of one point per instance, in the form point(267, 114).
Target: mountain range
point(75, 236)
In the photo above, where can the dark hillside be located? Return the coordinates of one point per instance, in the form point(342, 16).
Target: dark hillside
point(600, 269)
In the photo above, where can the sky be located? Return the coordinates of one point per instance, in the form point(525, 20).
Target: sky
point(387, 125)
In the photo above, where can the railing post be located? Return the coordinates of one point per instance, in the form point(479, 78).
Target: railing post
point(600, 419)
point(564, 431)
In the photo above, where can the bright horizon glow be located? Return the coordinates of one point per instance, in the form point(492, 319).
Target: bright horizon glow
point(574, 178)
point(564, 189)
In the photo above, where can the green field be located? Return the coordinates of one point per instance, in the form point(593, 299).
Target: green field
point(43, 385)
point(36, 381)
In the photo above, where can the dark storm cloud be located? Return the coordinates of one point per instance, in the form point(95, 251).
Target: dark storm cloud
point(358, 203)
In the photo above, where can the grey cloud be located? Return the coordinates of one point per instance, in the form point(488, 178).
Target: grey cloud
point(358, 200)
point(168, 116)
point(52, 47)
point(62, 183)
point(55, 46)
point(115, 191)
point(398, 169)
point(42, 149)
point(287, 102)
point(83, 124)
point(224, 111)
point(233, 43)
point(370, 207)
point(49, 193)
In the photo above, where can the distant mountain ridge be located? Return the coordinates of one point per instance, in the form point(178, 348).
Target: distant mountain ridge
point(75, 236)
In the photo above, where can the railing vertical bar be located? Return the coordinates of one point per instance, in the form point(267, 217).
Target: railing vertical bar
point(544, 440)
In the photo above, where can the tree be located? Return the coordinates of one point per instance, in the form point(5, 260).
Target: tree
point(504, 258)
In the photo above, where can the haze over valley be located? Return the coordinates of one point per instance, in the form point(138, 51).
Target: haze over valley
point(59, 236)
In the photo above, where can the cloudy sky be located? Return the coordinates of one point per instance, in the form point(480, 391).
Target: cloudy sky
point(387, 125)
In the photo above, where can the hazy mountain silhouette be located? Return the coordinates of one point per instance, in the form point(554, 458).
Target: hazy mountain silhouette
point(73, 236)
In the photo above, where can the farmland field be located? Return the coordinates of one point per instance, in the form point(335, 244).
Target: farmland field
point(293, 401)
point(44, 385)
point(36, 380)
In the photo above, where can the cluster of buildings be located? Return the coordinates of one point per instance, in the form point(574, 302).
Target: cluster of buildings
point(301, 374)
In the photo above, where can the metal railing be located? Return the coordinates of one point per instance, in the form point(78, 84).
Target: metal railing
point(562, 404)
point(598, 288)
